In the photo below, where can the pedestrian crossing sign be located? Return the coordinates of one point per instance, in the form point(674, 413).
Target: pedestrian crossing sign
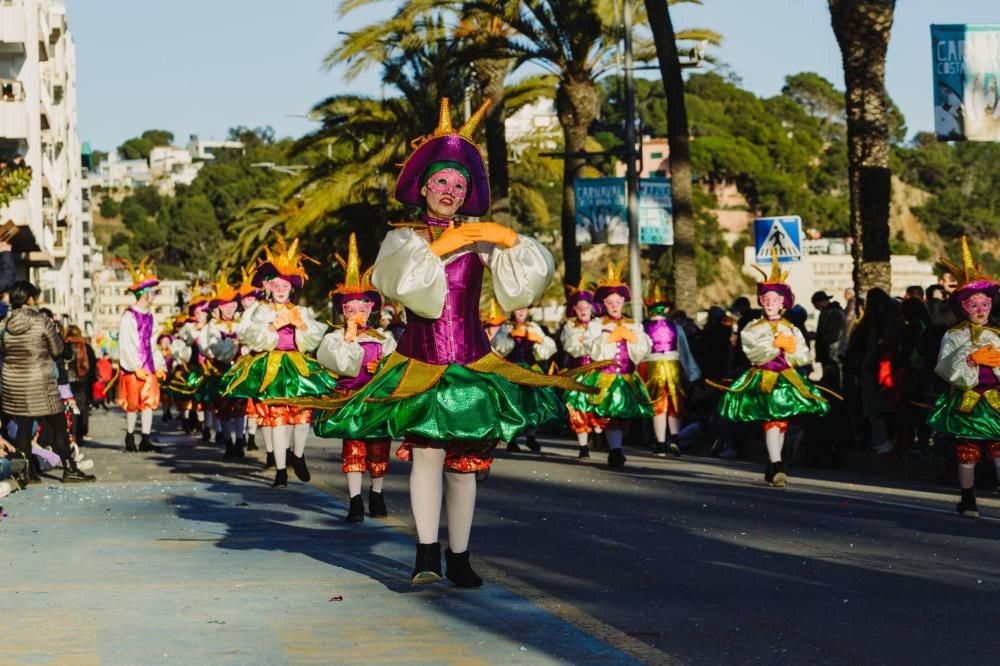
point(783, 234)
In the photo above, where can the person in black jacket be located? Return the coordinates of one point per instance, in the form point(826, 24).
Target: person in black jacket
point(831, 337)
point(8, 269)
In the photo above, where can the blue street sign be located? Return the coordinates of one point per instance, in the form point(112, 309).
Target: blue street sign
point(781, 233)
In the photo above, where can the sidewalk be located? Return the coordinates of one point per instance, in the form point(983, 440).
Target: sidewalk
point(165, 560)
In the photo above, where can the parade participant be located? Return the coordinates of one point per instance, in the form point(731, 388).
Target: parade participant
point(249, 297)
point(771, 392)
point(163, 343)
point(353, 352)
point(579, 313)
point(280, 372)
point(222, 348)
point(525, 343)
point(444, 390)
point(189, 347)
point(969, 359)
point(622, 395)
point(492, 318)
point(140, 362)
point(668, 357)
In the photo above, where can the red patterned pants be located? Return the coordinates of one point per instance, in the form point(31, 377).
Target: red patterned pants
point(370, 456)
point(972, 452)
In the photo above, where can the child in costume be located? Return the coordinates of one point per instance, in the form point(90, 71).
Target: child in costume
point(771, 392)
point(163, 343)
point(140, 362)
point(353, 352)
point(622, 395)
point(444, 390)
point(492, 319)
point(222, 349)
point(189, 348)
point(579, 314)
point(969, 359)
point(525, 343)
point(281, 373)
point(669, 356)
point(249, 296)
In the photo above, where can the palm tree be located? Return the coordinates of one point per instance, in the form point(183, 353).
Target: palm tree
point(862, 28)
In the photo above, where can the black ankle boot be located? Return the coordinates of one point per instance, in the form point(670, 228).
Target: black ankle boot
point(660, 449)
point(532, 444)
point(513, 447)
point(376, 505)
point(599, 442)
point(428, 567)
point(967, 507)
point(72, 474)
point(356, 512)
point(251, 443)
point(280, 479)
point(269, 463)
point(298, 464)
point(221, 439)
point(238, 448)
point(675, 445)
point(130, 443)
point(775, 474)
point(616, 458)
point(459, 570)
point(145, 444)
point(230, 450)
point(584, 452)
point(206, 434)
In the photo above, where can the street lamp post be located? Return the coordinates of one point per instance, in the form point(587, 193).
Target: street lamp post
point(631, 173)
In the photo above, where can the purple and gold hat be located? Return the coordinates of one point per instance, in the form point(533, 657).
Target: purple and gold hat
point(357, 285)
point(775, 281)
point(612, 283)
point(447, 145)
point(143, 275)
point(972, 279)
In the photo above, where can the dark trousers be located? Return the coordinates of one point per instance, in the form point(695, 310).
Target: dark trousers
point(53, 424)
point(81, 421)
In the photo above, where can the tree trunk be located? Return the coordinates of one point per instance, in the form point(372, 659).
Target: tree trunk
point(576, 106)
point(862, 28)
point(490, 75)
point(685, 272)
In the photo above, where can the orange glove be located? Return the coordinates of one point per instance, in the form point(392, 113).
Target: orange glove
point(534, 337)
point(519, 332)
point(352, 330)
point(785, 342)
point(295, 318)
point(622, 333)
point(281, 320)
point(372, 366)
point(161, 375)
point(498, 234)
point(141, 374)
point(987, 356)
point(453, 238)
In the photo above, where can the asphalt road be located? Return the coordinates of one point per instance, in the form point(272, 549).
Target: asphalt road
point(698, 561)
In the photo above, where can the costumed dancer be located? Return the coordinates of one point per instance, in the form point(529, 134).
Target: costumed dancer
point(579, 313)
point(163, 343)
point(662, 370)
point(969, 359)
point(771, 392)
point(353, 352)
point(249, 296)
point(525, 343)
point(222, 348)
point(444, 390)
point(190, 349)
point(622, 396)
point(280, 373)
point(140, 362)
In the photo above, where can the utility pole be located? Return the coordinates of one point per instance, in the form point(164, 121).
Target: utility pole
point(631, 174)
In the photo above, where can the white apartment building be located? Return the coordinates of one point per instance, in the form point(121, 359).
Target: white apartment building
point(534, 125)
point(200, 149)
point(170, 167)
point(114, 173)
point(38, 122)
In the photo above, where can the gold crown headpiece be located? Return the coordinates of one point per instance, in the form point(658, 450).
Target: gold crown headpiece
point(355, 282)
point(198, 295)
point(969, 273)
point(493, 314)
point(572, 291)
point(142, 273)
point(776, 276)
point(222, 290)
point(246, 287)
point(445, 126)
point(655, 295)
point(613, 277)
point(286, 259)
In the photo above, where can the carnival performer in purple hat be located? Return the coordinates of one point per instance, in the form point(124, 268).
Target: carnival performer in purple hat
point(190, 347)
point(141, 363)
point(444, 390)
point(223, 348)
point(771, 392)
point(580, 310)
point(969, 359)
point(621, 395)
point(353, 352)
point(249, 296)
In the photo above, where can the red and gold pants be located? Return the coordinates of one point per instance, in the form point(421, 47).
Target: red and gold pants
point(370, 456)
point(269, 416)
point(970, 453)
point(459, 457)
point(585, 421)
point(226, 409)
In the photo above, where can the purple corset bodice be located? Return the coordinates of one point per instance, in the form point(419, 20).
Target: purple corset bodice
point(372, 350)
point(623, 362)
point(456, 336)
point(286, 339)
point(144, 325)
point(987, 379)
point(663, 334)
point(523, 351)
point(776, 364)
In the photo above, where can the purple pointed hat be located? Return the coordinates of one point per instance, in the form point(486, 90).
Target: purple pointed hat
point(447, 145)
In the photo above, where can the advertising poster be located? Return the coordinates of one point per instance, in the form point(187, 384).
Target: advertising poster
point(966, 68)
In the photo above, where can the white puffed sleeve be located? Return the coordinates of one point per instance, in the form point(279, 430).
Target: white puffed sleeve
point(307, 339)
point(220, 347)
point(546, 348)
point(802, 355)
point(407, 271)
point(572, 338)
point(639, 350)
point(342, 357)
point(159, 362)
point(502, 342)
point(180, 350)
point(187, 334)
point(258, 336)
point(757, 340)
point(128, 343)
point(520, 273)
point(388, 342)
point(956, 345)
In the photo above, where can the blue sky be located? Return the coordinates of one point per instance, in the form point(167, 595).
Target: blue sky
point(200, 67)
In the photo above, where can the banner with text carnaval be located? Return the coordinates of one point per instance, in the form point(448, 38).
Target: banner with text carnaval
point(600, 211)
point(966, 82)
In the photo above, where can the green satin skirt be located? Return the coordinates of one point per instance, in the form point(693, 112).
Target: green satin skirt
point(762, 395)
point(977, 418)
point(277, 375)
point(618, 396)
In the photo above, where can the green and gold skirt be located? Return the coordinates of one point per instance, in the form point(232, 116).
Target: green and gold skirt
point(277, 376)
point(759, 396)
point(615, 396)
point(967, 414)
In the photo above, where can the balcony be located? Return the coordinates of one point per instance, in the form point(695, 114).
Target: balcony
point(13, 29)
point(45, 106)
point(13, 110)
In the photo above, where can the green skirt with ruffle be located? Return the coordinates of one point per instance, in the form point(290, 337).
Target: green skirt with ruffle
point(487, 400)
point(759, 396)
point(978, 418)
point(618, 396)
point(277, 376)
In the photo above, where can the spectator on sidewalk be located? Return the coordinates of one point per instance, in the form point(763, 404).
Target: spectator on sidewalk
point(30, 342)
point(831, 338)
point(81, 371)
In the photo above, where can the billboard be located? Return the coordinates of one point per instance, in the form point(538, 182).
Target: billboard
point(601, 211)
point(966, 70)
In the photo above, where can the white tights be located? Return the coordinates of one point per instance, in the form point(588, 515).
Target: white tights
point(354, 480)
point(284, 436)
point(425, 499)
point(775, 441)
point(967, 473)
point(664, 425)
point(147, 421)
point(265, 432)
